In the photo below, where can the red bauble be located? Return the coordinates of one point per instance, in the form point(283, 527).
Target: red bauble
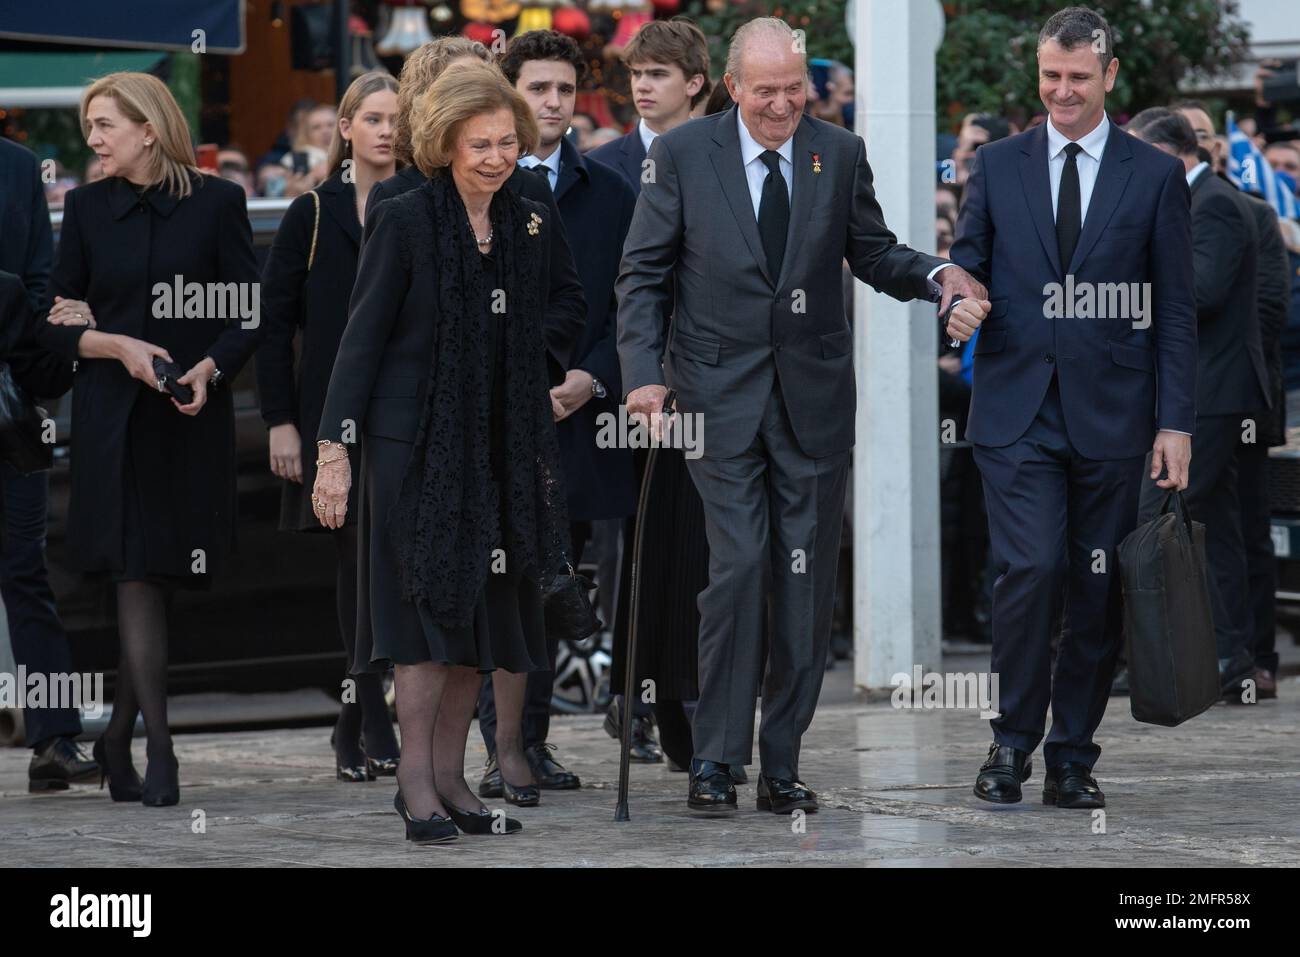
point(572, 22)
point(666, 8)
point(484, 33)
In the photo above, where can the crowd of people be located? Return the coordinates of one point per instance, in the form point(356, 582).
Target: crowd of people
point(469, 276)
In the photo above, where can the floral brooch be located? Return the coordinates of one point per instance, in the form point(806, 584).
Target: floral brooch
point(534, 221)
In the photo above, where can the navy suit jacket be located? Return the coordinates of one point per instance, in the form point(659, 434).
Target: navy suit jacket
point(26, 240)
point(596, 209)
point(625, 154)
point(1118, 383)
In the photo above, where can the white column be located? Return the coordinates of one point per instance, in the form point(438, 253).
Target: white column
point(896, 592)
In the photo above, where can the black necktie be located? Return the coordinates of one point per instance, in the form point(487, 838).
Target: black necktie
point(542, 170)
point(1069, 216)
point(773, 213)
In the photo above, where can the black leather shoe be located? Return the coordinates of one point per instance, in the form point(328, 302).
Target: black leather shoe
point(481, 821)
point(644, 748)
point(526, 795)
point(711, 788)
point(490, 785)
point(1072, 785)
point(123, 779)
point(551, 775)
point(1002, 774)
point(58, 763)
point(1233, 671)
point(430, 830)
point(738, 774)
point(781, 796)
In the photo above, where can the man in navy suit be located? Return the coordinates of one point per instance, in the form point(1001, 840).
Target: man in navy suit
point(596, 206)
point(1086, 361)
point(668, 61)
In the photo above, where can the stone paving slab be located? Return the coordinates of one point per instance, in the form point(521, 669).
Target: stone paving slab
point(895, 787)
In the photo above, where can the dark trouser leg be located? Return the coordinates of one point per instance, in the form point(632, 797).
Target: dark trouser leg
point(806, 501)
point(1103, 499)
point(1261, 566)
point(35, 632)
point(733, 606)
point(1025, 491)
point(1212, 498)
point(367, 716)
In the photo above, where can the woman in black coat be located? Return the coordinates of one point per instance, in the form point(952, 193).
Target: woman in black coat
point(306, 285)
point(442, 377)
point(154, 261)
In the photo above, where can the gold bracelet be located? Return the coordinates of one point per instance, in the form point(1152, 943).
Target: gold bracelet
point(341, 458)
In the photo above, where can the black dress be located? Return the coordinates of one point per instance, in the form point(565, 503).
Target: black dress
point(378, 380)
point(153, 490)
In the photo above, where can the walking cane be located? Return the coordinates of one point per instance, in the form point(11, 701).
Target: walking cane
point(629, 660)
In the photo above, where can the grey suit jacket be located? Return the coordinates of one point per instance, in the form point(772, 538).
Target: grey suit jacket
point(737, 332)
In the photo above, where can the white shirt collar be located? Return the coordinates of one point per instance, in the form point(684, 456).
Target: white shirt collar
point(647, 135)
point(1195, 172)
point(1094, 143)
point(751, 149)
point(551, 162)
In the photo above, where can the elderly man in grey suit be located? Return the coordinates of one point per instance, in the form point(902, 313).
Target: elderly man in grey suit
point(750, 213)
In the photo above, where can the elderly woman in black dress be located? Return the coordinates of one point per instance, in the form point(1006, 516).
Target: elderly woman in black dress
point(441, 378)
point(153, 478)
point(306, 285)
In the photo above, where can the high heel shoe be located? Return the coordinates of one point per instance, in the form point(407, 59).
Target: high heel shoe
point(123, 782)
point(162, 782)
point(431, 830)
point(480, 822)
point(527, 796)
point(352, 773)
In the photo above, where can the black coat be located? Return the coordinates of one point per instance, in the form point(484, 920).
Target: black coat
point(568, 308)
point(314, 302)
point(113, 249)
point(1273, 288)
point(1231, 376)
point(596, 206)
point(26, 240)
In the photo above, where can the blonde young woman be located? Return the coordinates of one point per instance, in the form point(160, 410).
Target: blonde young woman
point(153, 479)
point(306, 285)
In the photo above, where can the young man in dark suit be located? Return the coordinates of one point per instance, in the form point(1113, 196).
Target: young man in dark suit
point(595, 207)
point(35, 632)
point(668, 61)
point(1066, 408)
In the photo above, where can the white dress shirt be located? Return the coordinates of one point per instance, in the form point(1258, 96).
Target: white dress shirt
point(647, 135)
point(756, 172)
point(552, 164)
point(1195, 172)
point(1088, 161)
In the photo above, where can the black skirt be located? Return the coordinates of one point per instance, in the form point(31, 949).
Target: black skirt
point(508, 631)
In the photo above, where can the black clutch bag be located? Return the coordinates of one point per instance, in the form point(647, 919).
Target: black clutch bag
point(22, 423)
point(168, 373)
point(568, 611)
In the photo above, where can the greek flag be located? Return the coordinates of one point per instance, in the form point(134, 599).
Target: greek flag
point(1249, 171)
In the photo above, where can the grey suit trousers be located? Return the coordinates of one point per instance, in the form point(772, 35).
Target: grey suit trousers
point(773, 517)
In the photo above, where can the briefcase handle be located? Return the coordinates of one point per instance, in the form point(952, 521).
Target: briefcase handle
point(1180, 508)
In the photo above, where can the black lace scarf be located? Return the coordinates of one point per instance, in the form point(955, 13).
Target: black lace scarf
point(448, 518)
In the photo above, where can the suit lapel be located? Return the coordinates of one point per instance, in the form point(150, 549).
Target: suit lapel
point(633, 156)
point(731, 175)
point(1038, 193)
point(570, 164)
point(805, 192)
point(1112, 179)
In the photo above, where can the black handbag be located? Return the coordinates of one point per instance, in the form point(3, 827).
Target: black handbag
point(22, 424)
point(1173, 664)
point(568, 612)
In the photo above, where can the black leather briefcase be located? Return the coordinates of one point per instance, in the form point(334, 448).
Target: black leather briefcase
point(1173, 664)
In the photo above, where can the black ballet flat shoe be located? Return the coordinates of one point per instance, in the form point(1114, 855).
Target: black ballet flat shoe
point(526, 796)
point(123, 780)
point(162, 782)
point(481, 822)
point(431, 830)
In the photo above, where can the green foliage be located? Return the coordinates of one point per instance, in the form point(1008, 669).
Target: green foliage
point(987, 60)
point(821, 20)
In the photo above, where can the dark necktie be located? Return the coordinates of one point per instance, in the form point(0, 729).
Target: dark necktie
point(542, 171)
point(1069, 215)
point(773, 213)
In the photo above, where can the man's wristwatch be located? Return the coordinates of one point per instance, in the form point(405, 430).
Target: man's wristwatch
point(217, 375)
point(598, 390)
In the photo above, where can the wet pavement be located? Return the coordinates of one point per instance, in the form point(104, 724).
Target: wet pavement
point(895, 789)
